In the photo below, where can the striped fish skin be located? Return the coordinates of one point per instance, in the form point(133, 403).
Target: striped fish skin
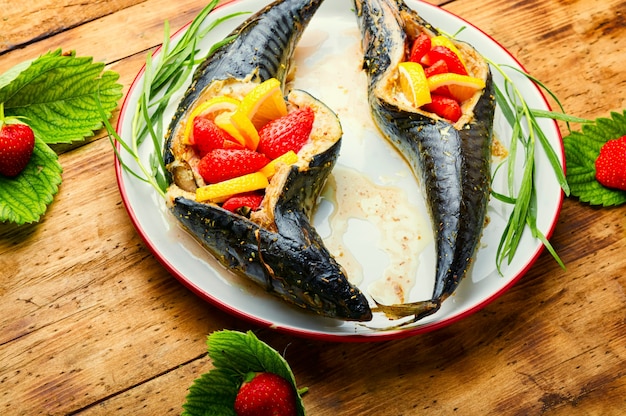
point(277, 247)
point(452, 162)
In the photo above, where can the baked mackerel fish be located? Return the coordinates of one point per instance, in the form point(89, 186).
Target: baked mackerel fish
point(276, 246)
point(451, 159)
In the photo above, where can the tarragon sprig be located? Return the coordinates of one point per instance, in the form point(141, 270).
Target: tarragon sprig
point(161, 79)
point(526, 132)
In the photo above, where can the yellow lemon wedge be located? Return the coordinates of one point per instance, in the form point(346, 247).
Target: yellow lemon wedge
point(413, 83)
point(224, 122)
point(221, 191)
point(461, 87)
point(246, 130)
point(288, 158)
point(444, 41)
point(264, 103)
point(209, 109)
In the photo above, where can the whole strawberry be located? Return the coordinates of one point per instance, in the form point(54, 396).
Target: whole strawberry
point(267, 394)
point(17, 142)
point(611, 164)
point(289, 132)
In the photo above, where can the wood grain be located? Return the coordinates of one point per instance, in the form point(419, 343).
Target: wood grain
point(92, 324)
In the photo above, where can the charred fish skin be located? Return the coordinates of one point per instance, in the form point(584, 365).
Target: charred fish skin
point(287, 256)
point(451, 161)
point(256, 48)
point(291, 262)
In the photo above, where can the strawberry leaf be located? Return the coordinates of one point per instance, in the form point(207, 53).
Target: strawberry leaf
point(234, 355)
point(581, 151)
point(56, 95)
point(24, 199)
point(62, 98)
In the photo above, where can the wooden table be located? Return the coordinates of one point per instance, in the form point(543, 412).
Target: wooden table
point(91, 323)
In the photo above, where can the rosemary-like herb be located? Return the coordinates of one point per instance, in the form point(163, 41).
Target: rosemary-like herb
point(161, 79)
point(526, 132)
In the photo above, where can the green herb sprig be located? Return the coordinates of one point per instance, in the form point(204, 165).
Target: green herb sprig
point(161, 80)
point(526, 132)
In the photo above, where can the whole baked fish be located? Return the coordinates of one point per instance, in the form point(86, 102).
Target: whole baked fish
point(276, 246)
point(450, 159)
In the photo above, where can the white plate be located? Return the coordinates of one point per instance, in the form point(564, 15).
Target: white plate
point(330, 51)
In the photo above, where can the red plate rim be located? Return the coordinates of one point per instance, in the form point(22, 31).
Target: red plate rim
point(324, 336)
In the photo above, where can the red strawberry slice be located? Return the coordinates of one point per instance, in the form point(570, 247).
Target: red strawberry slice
point(445, 107)
point(17, 142)
point(267, 394)
point(450, 58)
point(611, 164)
point(439, 67)
point(289, 132)
point(421, 46)
point(221, 164)
point(207, 136)
point(250, 200)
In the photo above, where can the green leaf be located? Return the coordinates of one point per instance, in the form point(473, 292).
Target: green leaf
point(234, 354)
point(581, 151)
point(56, 94)
point(24, 199)
point(63, 98)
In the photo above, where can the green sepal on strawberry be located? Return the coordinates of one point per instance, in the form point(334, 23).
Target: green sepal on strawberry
point(235, 357)
point(582, 149)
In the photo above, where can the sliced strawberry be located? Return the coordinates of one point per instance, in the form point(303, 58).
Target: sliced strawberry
point(445, 107)
point(289, 132)
point(439, 67)
point(251, 200)
point(207, 136)
point(232, 144)
point(611, 164)
point(450, 58)
point(421, 46)
point(221, 164)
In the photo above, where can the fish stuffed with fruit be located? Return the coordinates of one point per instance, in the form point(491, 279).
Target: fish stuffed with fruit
point(432, 98)
point(246, 165)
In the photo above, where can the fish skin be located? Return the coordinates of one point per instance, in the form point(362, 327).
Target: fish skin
point(452, 162)
point(288, 258)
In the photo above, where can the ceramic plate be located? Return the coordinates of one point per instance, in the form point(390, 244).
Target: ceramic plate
point(328, 61)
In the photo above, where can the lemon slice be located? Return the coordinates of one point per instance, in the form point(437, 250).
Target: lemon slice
point(224, 122)
point(461, 87)
point(209, 109)
point(221, 191)
point(246, 130)
point(264, 103)
point(413, 83)
point(289, 158)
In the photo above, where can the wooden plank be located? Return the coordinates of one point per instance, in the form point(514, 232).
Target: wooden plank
point(94, 324)
point(31, 21)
